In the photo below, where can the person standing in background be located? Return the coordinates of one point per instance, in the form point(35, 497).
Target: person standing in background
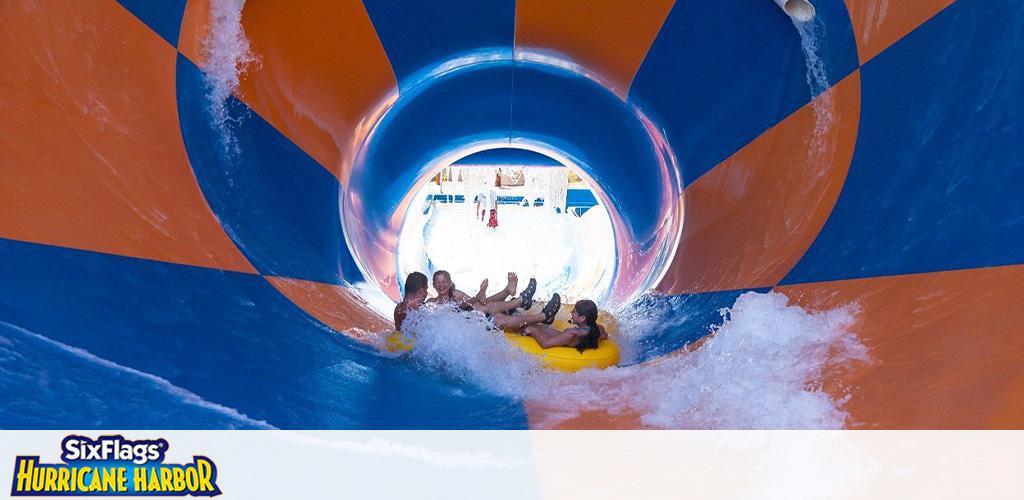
point(482, 203)
point(492, 201)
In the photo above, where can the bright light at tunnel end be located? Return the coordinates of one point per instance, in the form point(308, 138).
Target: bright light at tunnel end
point(574, 255)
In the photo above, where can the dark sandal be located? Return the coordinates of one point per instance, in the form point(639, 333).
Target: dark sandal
point(551, 309)
point(527, 294)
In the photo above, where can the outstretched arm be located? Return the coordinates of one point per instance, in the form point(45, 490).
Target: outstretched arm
point(563, 339)
point(549, 337)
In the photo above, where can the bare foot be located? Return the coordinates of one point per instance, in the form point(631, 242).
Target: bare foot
point(513, 283)
point(481, 296)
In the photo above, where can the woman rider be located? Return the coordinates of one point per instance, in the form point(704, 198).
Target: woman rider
point(583, 336)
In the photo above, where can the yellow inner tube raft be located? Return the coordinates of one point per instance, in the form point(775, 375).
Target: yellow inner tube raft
point(566, 359)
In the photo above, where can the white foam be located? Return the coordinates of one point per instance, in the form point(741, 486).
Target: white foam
point(460, 346)
point(226, 57)
point(762, 369)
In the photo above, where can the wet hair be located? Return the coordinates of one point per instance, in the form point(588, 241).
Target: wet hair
point(451, 293)
point(415, 282)
point(588, 309)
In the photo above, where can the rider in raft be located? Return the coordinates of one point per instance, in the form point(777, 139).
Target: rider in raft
point(583, 336)
point(416, 292)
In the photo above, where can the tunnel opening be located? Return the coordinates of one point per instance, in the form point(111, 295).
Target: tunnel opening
point(510, 210)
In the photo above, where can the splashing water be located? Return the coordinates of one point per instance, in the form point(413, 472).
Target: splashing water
point(462, 347)
point(820, 148)
point(763, 368)
point(226, 57)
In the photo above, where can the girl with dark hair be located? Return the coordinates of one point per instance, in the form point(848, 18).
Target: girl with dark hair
point(583, 336)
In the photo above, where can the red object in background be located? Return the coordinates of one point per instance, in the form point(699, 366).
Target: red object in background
point(493, 222)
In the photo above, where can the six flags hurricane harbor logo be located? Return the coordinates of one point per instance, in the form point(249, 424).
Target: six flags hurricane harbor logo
point(114, 466)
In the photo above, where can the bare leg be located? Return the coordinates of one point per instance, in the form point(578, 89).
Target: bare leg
point(481, 296)
point(507, 322)
point(499, 307)
point(508, 291)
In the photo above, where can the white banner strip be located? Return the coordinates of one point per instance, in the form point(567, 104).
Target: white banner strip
point(555, 465)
